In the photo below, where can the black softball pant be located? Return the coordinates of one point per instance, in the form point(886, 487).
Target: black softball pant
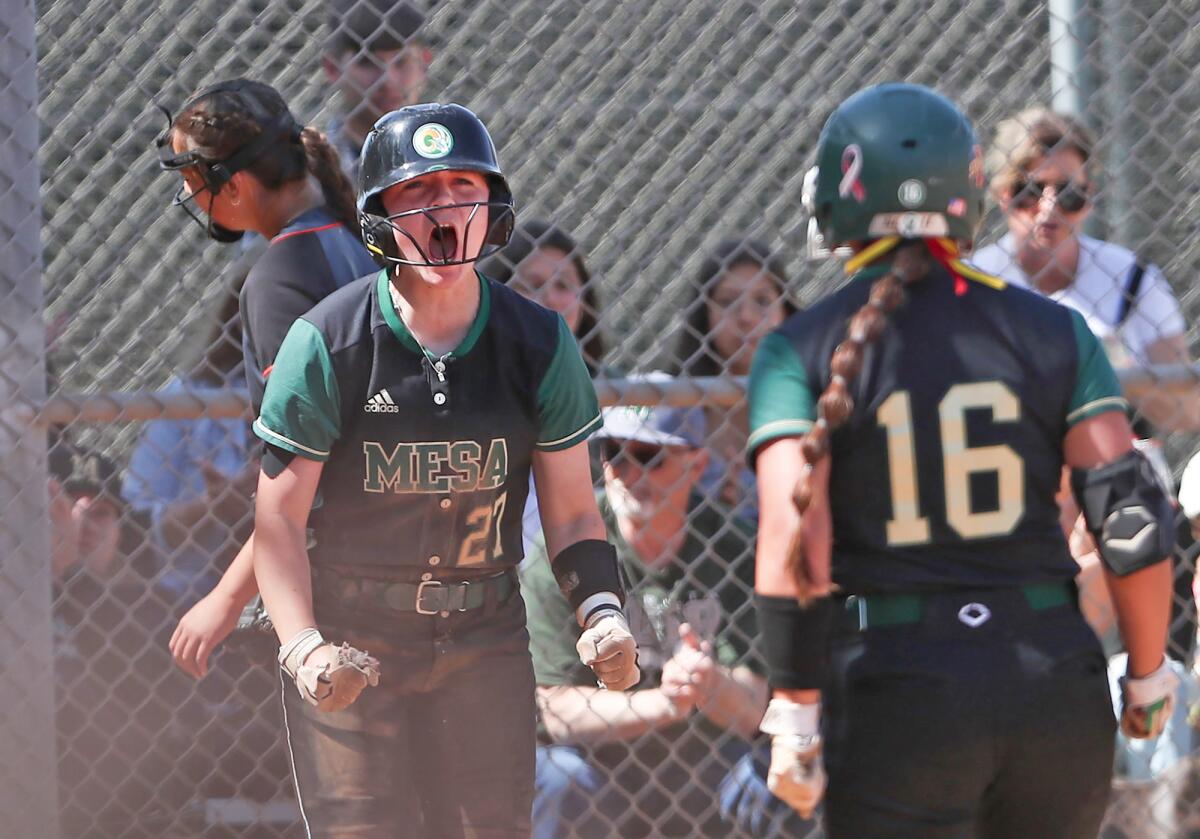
point(443, 747)
point(940, 731)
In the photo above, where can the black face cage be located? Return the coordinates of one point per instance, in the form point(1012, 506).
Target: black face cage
point(377, 232)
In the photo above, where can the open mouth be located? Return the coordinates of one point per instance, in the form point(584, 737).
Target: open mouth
point(443, 244)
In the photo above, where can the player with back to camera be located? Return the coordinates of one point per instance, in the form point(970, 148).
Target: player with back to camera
point(248, 165)
point(417, 401)
point(916, 594)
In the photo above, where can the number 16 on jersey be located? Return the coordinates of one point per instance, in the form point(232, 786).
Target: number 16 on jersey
point(907, 526)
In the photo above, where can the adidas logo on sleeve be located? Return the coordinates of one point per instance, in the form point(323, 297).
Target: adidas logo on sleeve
point(381, 403)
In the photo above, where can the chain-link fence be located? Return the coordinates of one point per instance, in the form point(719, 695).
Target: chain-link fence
point(664, 143)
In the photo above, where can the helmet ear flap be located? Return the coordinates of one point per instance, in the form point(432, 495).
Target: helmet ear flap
point(377, 236)
point(500, 230)
point(501, 213)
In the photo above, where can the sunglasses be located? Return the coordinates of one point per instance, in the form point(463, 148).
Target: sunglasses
point(1070, 196)
point(646, 457)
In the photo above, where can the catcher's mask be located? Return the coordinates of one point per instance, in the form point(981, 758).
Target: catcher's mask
point(216, 172)
point(415, 141)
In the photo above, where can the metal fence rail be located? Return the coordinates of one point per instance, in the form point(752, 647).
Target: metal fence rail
point(652, 132)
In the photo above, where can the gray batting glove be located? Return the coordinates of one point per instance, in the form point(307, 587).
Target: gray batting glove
point(608, 647)
point(797, 773)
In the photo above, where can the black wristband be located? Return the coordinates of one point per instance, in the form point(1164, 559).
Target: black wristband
point(586, 568)
point(795, 641)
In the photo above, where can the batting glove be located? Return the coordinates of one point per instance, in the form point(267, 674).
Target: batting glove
point(608, 647)
point(326, 676)
point(1148, 702)
point(797, 773)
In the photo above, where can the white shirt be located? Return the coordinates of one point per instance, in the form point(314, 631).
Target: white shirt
point(1097, 293)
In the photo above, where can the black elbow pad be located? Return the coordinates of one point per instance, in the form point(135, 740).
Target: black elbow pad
point(1127, 511)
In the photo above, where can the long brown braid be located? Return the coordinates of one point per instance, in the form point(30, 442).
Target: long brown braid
point(911, 263)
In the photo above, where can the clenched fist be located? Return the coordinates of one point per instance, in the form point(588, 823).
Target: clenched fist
point(608, 647)
point(327, 676)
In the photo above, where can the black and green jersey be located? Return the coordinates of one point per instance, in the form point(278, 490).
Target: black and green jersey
point(425, 466)
point(946, 473)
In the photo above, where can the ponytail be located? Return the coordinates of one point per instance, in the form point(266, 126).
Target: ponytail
point(836, 404)
point(323, 164)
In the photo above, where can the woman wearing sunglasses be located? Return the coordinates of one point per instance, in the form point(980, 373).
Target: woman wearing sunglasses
point(1043, 181)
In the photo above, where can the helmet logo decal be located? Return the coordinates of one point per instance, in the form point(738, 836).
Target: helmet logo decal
point(975, 168)
point(911, 193)
point(433, 140)
point(957, 207)
point(852, 166)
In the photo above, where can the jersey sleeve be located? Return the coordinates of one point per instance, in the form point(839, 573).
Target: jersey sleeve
point(301, 410)
point(1096, 388)
point(781, 402)
point(567, 407)
point(552, 627)
point(1156, 315)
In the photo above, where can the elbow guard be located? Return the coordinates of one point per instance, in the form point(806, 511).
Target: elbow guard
point(1127, 511)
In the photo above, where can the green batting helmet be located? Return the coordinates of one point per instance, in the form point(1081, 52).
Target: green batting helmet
point(896, 160)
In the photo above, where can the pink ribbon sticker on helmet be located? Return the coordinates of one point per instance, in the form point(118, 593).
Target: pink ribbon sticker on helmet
point(852, 166)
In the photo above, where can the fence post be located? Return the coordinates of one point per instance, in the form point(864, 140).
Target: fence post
point(28, 782)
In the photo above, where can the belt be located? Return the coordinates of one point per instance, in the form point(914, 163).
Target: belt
point(426, 597)
point(876, 610)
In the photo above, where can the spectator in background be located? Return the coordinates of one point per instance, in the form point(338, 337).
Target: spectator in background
point(649, 762)
point(545, 264)
point(1044, 179)
point(378, 62)
point(193, 478)
point(91, 493)
point(112, 756)
point(740, 295)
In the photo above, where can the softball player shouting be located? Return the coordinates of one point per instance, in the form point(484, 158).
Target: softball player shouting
point(416, 402)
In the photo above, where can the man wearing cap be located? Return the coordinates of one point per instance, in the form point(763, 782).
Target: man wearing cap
point(649, 761)
point(86, 508)
point(378, 62)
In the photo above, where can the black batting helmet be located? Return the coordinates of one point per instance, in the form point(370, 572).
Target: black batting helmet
point(415, 141)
